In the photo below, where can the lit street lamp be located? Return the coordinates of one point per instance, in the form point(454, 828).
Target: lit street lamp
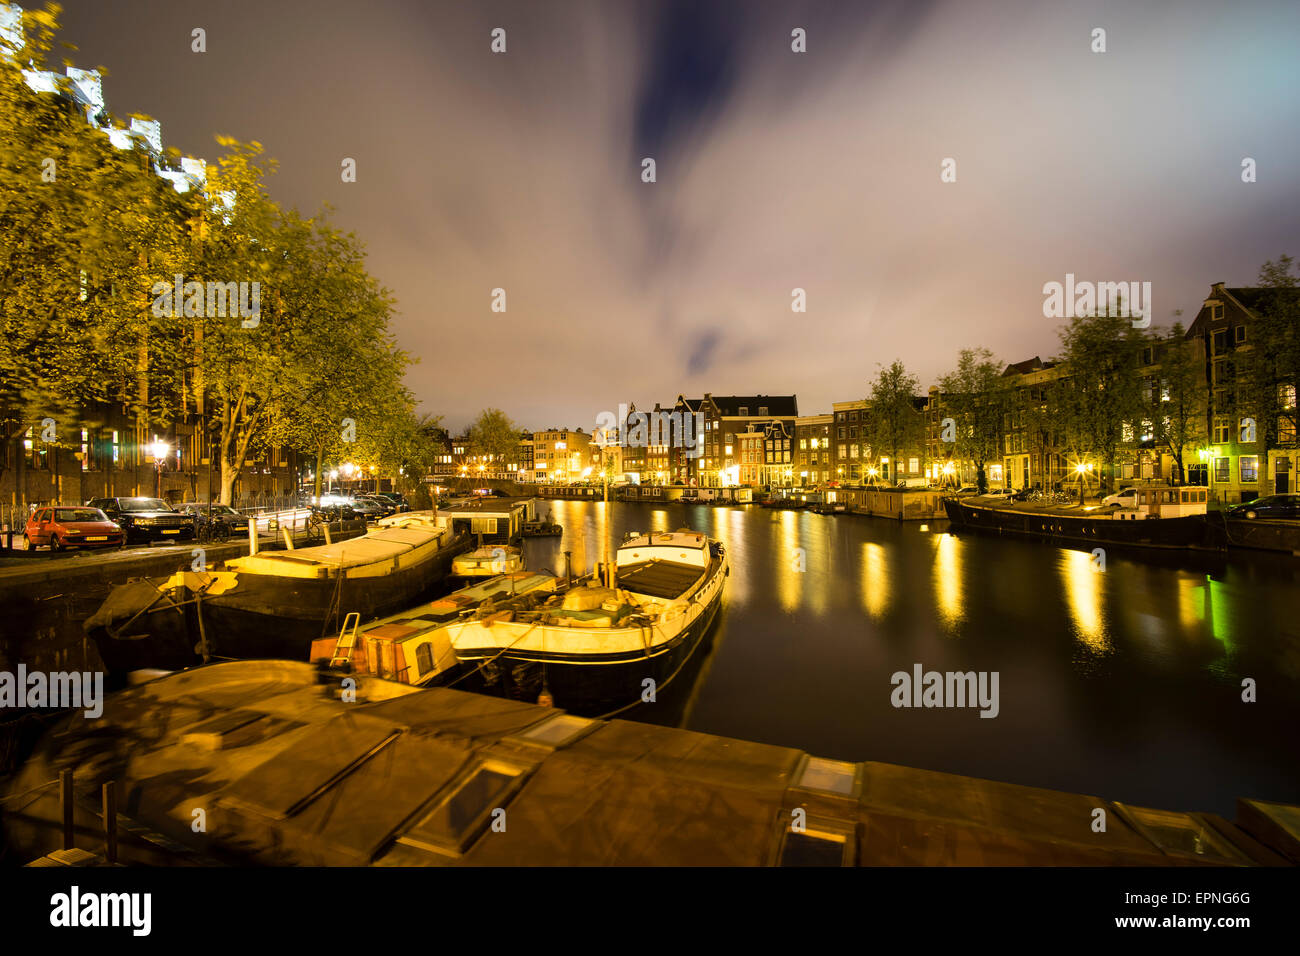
point(159, 450)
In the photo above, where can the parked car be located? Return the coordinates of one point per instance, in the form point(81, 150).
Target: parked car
point(385, 505)
point(1270, 506)
point(1001, 493)
point(1125, 498)
point(367, 509)
point(397, 500)
point(68, 528)
point(215, 512)
point(147, 519)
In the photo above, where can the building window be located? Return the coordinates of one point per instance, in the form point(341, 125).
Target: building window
point(744, 411)
point(1220, 342)
point(1216, 311)
point(762, 410)
point(1249, 468)
point(1240, 334)
point(1221, 469)
point(1221, 434)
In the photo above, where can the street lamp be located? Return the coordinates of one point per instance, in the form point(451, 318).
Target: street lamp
point(1082, 469)
point(159, 449)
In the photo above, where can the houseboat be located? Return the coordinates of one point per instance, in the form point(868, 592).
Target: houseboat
point(599, 642)
point(274, 604)
point(412, 646)
point(487, 562)
point(1161, 516)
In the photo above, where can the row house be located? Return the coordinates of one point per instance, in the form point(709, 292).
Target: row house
point(1244, 456)
point(561, 455)
point(1031, 442)
point(850, 444)
point(812, 435)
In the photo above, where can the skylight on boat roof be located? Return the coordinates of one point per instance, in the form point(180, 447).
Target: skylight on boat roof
point(830, 776)
point(557, 731)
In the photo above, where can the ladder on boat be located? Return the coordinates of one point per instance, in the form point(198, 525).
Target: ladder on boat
point(347, 640)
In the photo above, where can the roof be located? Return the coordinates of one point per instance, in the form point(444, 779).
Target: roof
point(1022, 368)
point(778, 406)
point(300, 777)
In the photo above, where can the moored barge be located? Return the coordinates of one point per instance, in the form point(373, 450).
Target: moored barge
point(276, 603)
point(1169, 517)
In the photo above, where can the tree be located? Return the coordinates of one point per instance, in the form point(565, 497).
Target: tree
point(894, 421)
point(976, 397)
point(1179, 413)
point(1100, 396)
point(495, 437)
point(318, 357)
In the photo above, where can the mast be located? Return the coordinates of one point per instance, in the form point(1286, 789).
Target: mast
point(604, 471)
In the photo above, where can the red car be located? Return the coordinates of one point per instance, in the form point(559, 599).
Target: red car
point(63, 528)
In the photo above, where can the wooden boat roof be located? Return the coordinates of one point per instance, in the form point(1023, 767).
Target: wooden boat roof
point(372, 548)
point(661, 579)
point(298, 777)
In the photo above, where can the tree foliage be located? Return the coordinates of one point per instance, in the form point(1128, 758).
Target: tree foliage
point(894, 422)
point(976, 397)
point(90, 232)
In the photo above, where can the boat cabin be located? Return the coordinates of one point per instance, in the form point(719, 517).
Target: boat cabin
point(491, 520)
point(678, 547)
point(1165, 501)
point(412, 646)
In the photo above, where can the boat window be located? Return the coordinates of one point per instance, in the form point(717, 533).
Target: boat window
point(832, 776)
point(424, 658)
point(557, 731)
point(816, 845)
point(458, 817)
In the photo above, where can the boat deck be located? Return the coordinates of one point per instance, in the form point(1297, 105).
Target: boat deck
point(1035, 508)
point(660, 579)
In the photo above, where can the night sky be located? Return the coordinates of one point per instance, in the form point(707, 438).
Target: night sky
point(775, 170)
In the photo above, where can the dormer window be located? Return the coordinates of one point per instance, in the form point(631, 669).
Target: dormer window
point(762, 410)
point(744, 411)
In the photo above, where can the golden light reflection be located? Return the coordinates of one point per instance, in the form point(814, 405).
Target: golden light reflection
point(1192, 596)
point(875, 579)
point(791, 563)
point(947, 578)
point(1083, 594)
point(728, 526)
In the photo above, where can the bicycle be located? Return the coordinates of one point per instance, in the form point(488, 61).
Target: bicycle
point(212, 530)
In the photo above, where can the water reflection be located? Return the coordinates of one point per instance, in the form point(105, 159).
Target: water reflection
point(947, 578)
point(874, 578)
point(791, 563)
point(1083, 596)
point(1119, 683)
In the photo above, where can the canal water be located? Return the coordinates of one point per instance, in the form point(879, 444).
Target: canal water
point(1123, 682)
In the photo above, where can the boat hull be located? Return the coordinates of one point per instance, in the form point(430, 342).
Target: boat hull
point(1191, 532)
point(589, 684)
point(267, 616)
